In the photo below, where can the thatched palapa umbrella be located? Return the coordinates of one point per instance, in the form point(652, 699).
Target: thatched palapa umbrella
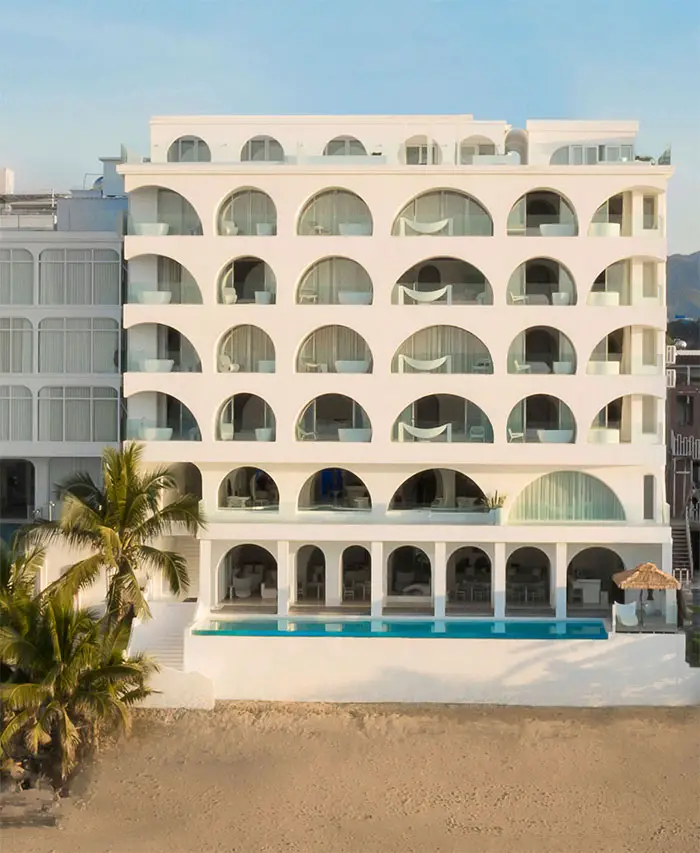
point(645, 576)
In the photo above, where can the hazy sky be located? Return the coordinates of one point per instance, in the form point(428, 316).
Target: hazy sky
point(79, 77)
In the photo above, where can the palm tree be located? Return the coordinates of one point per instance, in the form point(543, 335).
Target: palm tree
point(71, 681)
point(118, 523)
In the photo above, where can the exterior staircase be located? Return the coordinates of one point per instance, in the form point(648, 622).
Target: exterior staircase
point(682, 550)
point(163, 637)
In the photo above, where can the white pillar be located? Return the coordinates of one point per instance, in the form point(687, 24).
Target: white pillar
point(378, 578)
point(440, 580)
point(498, 580)
point(559, 579)
point(333, 554)
point(283, 577)
point(206, 594)
point(667, 557)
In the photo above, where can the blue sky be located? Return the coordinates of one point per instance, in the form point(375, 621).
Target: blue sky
point(81, 76)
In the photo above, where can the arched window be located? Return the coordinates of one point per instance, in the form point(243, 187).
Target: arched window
point(262, 149)
point(189, 149)
point(15, 345)
point(247, 280)
point(15, 413)
point(246, 349)
point(442, 418)
point(334, 489)
point(79, 345)
point(420, 151)
point(335, 212)
point(248, 488)
point(627, 420)
point(542, 213)
point(334, 417)
point(16, 277)
point(335, 281)
point(159, 280)
point(157, 212)
point(475, 146)
point(541, 281)
point(334, 349)
point(542, 419)
point(443, 213)
point(566, 496)
point(541, 349)
point(409, 573)
point(442, 281)
point(157, 348)
point(441, 489)
point(345, 146)
point(79, 277)
point(248, 573)
point(249, 213)
point(246, 417)
point(154, 416)
point(442, 349)
point(78, 414)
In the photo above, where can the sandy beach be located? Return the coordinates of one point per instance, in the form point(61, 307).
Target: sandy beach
point(262, 778)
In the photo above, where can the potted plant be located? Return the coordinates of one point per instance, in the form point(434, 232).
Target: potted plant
point(494, 504)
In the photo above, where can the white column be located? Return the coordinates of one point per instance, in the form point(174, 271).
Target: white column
point(333, 554)
point(667, 557)
point(378, 578)
point(498, 580)
point(283, 576)
point(440, 580)
point(559, 581)
point(43, 489)
point(206, 594)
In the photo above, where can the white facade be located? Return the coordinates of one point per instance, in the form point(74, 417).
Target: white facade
point(60, 343)
point(272, 262)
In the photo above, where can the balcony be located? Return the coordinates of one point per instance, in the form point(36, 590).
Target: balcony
point(438, 492)
point(442, 349)
point(246, 349)
point(153, 416)
point(247, 281)
point(158, 280)
point(246, 417)
point(157, 212)
point(335, 281)
point(334, 349)
point(334, 490)
point(334, 417)
point(542, 213)
point(443, 213)
point(541, 281)
point(634, 213)
point(541, 419)
point(542, 350)
point(247, 213)
point(153, 348)
point(632, 419)
point(442, 418)
point(248, 489)
point(632, 350)
point(633, 281)
point(335, 213)
point(442, 281)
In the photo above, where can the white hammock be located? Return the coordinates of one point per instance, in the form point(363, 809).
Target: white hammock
point(425, 227)
point(425, 296)
point(425, 434)
point(425, 365)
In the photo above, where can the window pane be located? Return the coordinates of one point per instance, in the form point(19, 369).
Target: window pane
point(649, 496)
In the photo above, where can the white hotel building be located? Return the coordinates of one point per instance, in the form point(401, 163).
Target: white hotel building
point(347, 332)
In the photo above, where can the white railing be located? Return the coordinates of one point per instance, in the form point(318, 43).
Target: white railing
point(685, 445)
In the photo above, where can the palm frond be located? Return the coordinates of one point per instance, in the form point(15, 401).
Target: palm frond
point(171, 565)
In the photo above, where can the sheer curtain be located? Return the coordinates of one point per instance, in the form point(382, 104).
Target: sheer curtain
point(437, 341)
point(247, 210)
point(179, 281)
point(468, 217)
point(15, 345)
point(15, 413)
point(178, 213)
point(52, 271)
point(78, 345)
point(247, 346)
point(331, 275)
point(566, 496)
point(330, 344)
point(326, 212)
point(78, 414)
point(16, 277)
point(106, 270)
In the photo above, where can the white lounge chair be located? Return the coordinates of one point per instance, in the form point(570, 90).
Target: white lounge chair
point(226, 365)
point(515, 436)
point(426, 228)
point(425, 434)
point(426, 295)
point(425, 365)
point(626, 614)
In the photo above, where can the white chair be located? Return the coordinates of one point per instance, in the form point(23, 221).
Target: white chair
point(626, 614)
point(268, 592)
point(515, 436)
point(226, 432)
point(521, 368)
point(477, 433)
point(226, 365)
point(517, 298)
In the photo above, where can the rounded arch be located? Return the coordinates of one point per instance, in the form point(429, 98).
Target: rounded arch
point(334, 349)
point(420, 150)
point(469, 579)
point(161, 280)
point(247, 280)
point(541, 281)
point(246, 417)
point(615, 353)
point(541, 419)
point(442, 281)
point(614, 285)
point(262, 149)
point(333, 417)
point(475, 146)
point(629, 419)
point(443, 213)
point(541, 349)
point(158, 348)
point(528, 581)
point(247, 574)
point(247, 212)
point(438, 489)
point(334, 489)
point(248, 487)
point(335, 212)
point(542, 212)
point(335, 281)
point(310, 565)
point(409, 572)
point(442, 418)
point(517, 141)
point(246, 349)
point(17, 484)
point(356, 569)
point(566, 496)
point(590, 586)
point(188, 480)
point(616, 217)
point(154, 416)
point(158, 211)
point(344, 146)
point(442, 349)
point(189, 149)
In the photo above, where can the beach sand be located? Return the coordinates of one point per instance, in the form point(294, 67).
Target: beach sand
point(263, 778)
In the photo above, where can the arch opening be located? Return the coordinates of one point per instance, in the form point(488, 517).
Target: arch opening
point(248, 575)
point(542, 350)
point(156, 348)
point(566, 496)
point(246, 417)
point(356, 569)
point(17, 490)
point(590, 589)
point(442, 281)
point(334, 417)
point(528, 583)
point(442, 349)
point(333, 489)
point(335, 212)
point(344, 146)
point(541, 419)
point(247, 281)
point(409, 576)
point(443, 213)
point(159, 280)
point(541, 281)
point(157, 212)
point(248, 488)
point(469, 581)
point(154, 416)
point(542, 213)
point(634, 418)
point(247, 213)
point(189, 149)
point(335, 281)
point(439, 490)
point(246, 349)
point(262, 149)
point(334, 349)
point(442, 418)
point(420, 150)
point(632, 281)
point(310, 575)
point(631, 350)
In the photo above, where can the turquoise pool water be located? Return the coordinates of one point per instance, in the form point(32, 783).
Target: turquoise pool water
point(434, 629)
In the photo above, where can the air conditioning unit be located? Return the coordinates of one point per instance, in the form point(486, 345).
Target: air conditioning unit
point(670, 354)
point(670, 378)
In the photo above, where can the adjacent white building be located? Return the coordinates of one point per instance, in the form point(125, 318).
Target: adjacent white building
point(60, 333)
point(349, 332)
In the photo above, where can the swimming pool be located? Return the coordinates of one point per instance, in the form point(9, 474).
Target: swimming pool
point(434, 629)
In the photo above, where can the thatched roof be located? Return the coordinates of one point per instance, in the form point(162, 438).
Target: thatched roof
point(645, 576)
